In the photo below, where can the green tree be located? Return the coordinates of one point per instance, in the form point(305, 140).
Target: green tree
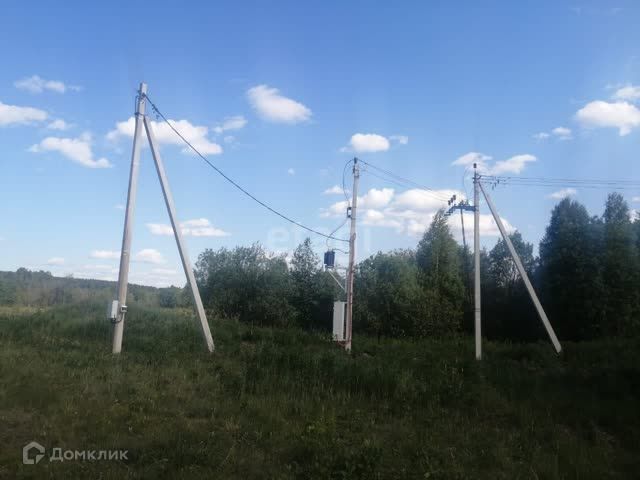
point(304, 274)
point(619, 269)
point(438, 260)
point(569, 275)
point(389, 298)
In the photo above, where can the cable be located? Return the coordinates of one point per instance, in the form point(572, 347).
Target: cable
point(406, 181)
point(232, 182)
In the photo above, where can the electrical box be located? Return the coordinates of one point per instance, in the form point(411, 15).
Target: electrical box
point(329, 259)
point(339, 316)
point(112, 313)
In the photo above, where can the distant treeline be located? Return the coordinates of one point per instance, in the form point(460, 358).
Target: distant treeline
point(587, 276)
point(42, 289)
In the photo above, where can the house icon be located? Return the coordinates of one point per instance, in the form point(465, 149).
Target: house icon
point(27, 453)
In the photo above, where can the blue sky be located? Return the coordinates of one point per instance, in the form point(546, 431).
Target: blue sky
point(281, 95)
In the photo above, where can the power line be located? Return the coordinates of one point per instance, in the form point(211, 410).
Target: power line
point(232, 182)
point(402, 181)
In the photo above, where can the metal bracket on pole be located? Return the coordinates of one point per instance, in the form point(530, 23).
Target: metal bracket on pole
point(522, 271)
point(118, 308)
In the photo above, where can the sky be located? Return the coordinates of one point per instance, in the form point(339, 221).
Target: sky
point(280, 95)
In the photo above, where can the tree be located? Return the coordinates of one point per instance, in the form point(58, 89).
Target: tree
point(438, 260)
point(389, 296)
point(620, 268)
point(569, 276)
point(304, 270)
point(510, 313)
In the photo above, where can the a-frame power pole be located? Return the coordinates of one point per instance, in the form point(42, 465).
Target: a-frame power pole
point(118, 308)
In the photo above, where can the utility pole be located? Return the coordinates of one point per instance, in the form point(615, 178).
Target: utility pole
point(476, 269)
point(118, 307)
point(522, 271)
point(352, 255)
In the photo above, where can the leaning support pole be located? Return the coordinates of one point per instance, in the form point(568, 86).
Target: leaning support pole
point(184, 256)
point(523, 273)
point(476, 268)
point(117, 316)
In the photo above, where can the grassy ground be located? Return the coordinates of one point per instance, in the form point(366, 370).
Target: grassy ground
point(285, 404)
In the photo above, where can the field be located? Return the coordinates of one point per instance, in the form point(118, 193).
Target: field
point(286, 404)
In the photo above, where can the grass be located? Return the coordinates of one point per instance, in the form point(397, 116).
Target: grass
point(285, 404)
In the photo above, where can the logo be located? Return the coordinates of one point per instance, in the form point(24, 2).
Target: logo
point(27, 453)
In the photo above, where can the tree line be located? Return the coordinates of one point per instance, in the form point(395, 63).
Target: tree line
point(586, 274)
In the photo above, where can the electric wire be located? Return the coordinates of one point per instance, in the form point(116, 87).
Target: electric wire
point(406, 181)
point(235, 184)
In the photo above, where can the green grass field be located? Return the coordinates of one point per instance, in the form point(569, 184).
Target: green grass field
point(288, 404)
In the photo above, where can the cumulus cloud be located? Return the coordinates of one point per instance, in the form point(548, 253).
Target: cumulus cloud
point(57, 261)
point(105, 254)
point(199, 227)
point(291, 171)
point(77, 150)
point(16, 115)
point(367, 143)
point(37, 84)
point(636, 199)
point(400, 139)
point(600, 114)
point(562, 193)
point(274, 107)
point(335, 190)
point(59, 124)
point(149, 255)
point(514, 164)
point(196, 135)
point(560, 133)
point(630, 93)
point(230, 123)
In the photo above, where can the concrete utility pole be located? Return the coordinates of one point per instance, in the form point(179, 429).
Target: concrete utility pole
point(476, 268)
point(352, 255)
point(523, 273)
point(184, 256)
point(118, 307)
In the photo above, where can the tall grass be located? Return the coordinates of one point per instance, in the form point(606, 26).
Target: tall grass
point(288, 404)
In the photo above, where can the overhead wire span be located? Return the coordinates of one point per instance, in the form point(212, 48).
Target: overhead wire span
point(397, 179)
point(235, 184)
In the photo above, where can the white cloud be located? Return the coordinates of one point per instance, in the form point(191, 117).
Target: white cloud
point(195, 134)
point(272, 106)
point(401, 139)
point(13, 114)
point(621, 115)
point(488, 226)
point(119, 206)
point(291, 171)
point(55, 261)
point(468, 159)
point(149, 255)
point(59, 124)
point(37, 84)
point(199, 227)
point(228, 139)
point(541, 136)
point(105, 254)
point(635, 199)
point(335, 190)
point(628, 92)
point(230, 123)
point(563, 133)
point(367, 143)
point(77, 150)
point(514, 164)
point(562, 193)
